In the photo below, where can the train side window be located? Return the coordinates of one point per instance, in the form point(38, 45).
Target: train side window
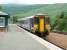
point(32, 22)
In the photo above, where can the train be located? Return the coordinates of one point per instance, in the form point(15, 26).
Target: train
point(38, 24)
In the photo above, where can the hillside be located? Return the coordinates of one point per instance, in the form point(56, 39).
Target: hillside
point(14, 9)
point(27, 10)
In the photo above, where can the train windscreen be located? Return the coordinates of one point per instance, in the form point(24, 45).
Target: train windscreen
point(47, 20)
point(36, 20)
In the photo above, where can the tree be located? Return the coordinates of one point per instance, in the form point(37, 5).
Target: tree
point(59, 22)
point(0, 8)
point(15, 19)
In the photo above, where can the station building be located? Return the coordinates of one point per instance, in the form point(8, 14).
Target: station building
point(4, 21)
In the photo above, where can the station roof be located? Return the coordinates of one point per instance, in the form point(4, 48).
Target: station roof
point(3, 14)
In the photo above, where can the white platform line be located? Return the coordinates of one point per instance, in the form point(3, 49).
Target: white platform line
point(43, 42)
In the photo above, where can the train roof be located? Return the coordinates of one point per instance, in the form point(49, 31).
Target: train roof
point(31, 16)
point(42, 14)
point(25, 18)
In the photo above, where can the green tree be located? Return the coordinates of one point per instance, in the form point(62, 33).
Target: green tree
point(0, 8)
point(59, 22)
point(15, 19)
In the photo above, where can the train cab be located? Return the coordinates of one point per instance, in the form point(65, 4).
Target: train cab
point(42, 24)
point(38, 24)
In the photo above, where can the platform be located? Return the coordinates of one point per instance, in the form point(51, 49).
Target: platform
point(18, 39)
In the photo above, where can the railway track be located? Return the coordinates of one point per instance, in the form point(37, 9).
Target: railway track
point(65, 33)
point(58, 38)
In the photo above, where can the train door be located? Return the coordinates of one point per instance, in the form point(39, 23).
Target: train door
point(36, 23)
point(47, 23)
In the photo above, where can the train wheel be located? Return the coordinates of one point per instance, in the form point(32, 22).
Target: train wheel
point(38, 33)
point(45, 34)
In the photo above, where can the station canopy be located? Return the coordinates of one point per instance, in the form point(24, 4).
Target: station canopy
point(2, 14)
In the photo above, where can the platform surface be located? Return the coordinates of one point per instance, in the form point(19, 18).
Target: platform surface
point(18, 39)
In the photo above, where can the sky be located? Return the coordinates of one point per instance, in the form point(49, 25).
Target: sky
point(32, 1)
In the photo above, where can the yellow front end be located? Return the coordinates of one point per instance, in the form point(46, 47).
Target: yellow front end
point(35, 27)
point(48, 27)
point(42, 25)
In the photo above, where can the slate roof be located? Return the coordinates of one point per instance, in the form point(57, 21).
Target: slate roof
point(3, 13)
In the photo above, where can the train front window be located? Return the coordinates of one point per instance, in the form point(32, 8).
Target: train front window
point(36, 20)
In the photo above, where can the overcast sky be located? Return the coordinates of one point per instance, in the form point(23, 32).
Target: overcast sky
point(32, 1)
